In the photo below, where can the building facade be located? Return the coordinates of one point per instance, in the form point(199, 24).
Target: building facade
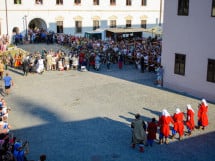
point(188, 53)
point(77, 16)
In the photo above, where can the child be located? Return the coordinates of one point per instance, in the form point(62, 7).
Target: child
point(152, 130)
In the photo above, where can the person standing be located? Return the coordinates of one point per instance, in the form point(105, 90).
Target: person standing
point(26, 65)
point(138, 132)
point(8, 82)
point(120, 60)
point(159, 71)
point(1, 70)
point(178, 124)
point(190, 119)
point(202, 114)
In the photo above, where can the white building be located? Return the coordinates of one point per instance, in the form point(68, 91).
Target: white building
point(188, 53)
point(77, 16)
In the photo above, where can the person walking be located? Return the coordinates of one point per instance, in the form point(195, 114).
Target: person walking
point(190, 119)
point(178, 118)
point(164, 122)
point(152, 130)
point(8, 82)
point(138, 132)
point(202, 115)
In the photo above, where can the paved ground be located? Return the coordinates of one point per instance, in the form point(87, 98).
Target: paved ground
point(85, 116)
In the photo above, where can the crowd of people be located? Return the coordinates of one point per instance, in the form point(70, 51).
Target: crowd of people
point(146, 133)
point(87, 54)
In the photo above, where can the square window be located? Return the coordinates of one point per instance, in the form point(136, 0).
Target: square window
point(213, 9)
point(180, 60)
point(183, 7)
point(211, 71)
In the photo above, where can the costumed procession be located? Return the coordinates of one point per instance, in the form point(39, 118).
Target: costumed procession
point(168, 126)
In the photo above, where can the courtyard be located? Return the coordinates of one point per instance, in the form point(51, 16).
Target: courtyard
point(86, 116)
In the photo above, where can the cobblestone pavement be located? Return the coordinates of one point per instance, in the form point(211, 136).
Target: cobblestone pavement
point(85, 116)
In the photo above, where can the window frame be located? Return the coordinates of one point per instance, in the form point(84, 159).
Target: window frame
point(59, 26)
point(144, 3)
point(143, 25)
point(112, 23)
point(59, 2)
point(211, 71)
point(96, 24)
point(180, 64)
point(16, 2)
point(182, 9)
point(113, 2)
point(213, 8)
point(128, 3)
point(78, 26)
point(96, 2)
point(128, 23)
point(36, 2)
point(77, 2)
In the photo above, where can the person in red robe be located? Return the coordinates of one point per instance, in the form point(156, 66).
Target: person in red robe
point(152, 130)
point(190, 119)
point(202, 114)
point(164, 123)
point(178, 119)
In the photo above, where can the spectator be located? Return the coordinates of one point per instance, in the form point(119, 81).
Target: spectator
point(8, 82)
point(159, 71)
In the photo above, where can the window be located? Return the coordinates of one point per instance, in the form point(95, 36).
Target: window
point(211, 70)
point(78, 26)
point(17, 1)
point(144, 2)
point(59, 26)
point(128, 23)
point(180, 64)
point(143, 24)
point(77, 2)
point(59, 2)
point(128, 2)
point(38, 1)
point(183, 7)
point(112, 2)
point(96, 2)
point(95, 24)
point(112, 23)
point(213, 9)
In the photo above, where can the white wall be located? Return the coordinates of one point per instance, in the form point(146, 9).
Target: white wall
point(49, 11)
point(192, 35)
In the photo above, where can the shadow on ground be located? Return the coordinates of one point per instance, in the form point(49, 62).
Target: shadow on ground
point(102, 139)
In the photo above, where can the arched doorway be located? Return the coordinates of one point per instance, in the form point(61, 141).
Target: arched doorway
point(37, 23)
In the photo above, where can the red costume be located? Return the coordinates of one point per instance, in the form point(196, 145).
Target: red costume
point(202, 113)
point(178, 123)
point(190, 119)
point(164, 122)
point(152, 130)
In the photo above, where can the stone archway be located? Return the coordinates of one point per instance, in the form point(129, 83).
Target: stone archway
point(37, 23)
